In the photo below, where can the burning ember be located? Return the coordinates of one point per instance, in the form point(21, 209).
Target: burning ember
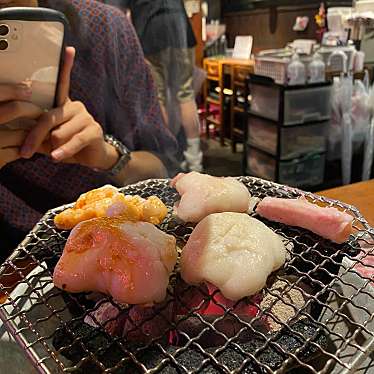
point(143, 324)
point(211, 308)
point(200, 312)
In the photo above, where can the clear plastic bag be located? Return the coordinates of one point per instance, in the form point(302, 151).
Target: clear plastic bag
point(369, 140)
point(347, 128)
point(360, 110)
point(360, 114)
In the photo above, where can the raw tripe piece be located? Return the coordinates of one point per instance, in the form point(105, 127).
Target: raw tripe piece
point(131, 261)
point(203, 194)
point(234, 252)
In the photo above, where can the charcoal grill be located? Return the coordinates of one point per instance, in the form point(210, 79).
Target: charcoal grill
point(48, 323)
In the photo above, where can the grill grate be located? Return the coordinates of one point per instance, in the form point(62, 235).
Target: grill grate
point(315, 315)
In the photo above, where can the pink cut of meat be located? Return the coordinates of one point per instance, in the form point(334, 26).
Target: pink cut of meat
point(330, 223)
point(203, 194)
point(131, 261)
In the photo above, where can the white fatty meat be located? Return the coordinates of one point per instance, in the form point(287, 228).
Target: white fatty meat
point(234, 252)
point(203, 194)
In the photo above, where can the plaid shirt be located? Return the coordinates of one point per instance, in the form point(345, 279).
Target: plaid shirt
point(111, 78)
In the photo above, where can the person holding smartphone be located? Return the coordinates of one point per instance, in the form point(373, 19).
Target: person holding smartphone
point(106, 128)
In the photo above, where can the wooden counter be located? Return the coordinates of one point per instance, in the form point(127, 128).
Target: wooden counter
point(360, 195)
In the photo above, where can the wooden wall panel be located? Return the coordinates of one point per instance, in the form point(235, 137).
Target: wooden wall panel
point(270, 27)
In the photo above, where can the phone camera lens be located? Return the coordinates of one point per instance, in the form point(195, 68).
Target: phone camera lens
point(3, 45)
point(4, 30)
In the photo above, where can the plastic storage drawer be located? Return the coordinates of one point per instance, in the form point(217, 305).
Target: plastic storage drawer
point(265, 100)
point(261, 165)
point(291, 106)
point(309, 105)
point(294, 141)
point(304, 171)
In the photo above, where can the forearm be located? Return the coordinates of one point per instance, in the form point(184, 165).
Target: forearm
point(143, 165)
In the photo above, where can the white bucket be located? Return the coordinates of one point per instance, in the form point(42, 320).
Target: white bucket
point(337, 17)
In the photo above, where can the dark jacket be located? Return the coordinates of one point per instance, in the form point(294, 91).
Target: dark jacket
point(161, 24)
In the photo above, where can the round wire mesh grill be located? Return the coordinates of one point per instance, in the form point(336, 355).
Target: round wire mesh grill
point(314, 315)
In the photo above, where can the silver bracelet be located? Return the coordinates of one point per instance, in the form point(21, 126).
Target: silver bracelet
point(124, 152)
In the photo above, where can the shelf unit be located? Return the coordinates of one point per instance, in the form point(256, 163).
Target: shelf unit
point(286, 132)
point(240, 76)
point(227, 74)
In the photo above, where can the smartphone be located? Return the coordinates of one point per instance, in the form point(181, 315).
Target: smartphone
point(32, 44)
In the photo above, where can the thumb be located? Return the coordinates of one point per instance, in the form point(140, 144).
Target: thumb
point(64, 84)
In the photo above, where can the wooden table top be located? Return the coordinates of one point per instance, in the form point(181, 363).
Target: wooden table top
point(230, 60)
point(360, 195)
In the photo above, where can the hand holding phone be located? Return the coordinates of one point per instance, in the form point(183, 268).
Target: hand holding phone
point(69, 132)
point(31, 39)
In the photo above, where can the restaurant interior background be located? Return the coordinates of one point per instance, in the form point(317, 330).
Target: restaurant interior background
point(289, 134)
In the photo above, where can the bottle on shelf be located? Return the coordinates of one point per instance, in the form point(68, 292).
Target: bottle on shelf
point(296, 73)
point(223, 45)
point(317, 69)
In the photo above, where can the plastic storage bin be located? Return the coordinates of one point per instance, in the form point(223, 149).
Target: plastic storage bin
point(261, 165)
point(265, 100)
point(307, 105)
point(263, 134)
point(291, 106)
point(294, 141)
point(304, 171)
point(273, 64)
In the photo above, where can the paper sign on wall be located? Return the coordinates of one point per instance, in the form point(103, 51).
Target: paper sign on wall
point(243, 47)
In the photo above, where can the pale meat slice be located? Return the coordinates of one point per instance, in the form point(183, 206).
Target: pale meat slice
point(129, 261)
point(234, 252)
point(330, 223)
point(203, 194)
point(107, 201)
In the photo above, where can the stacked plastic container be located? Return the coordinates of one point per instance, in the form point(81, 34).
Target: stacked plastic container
point(287, 132)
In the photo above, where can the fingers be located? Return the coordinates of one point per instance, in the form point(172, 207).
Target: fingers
point(12, 110)
point(79, 141)
point(10, 141)
point(46, 123)
point(64, 83)
point(11, 138)
point(8, 155)
point(10, 92)
point(63, 134)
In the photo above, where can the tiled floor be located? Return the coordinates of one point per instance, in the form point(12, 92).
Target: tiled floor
point(220, 161)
